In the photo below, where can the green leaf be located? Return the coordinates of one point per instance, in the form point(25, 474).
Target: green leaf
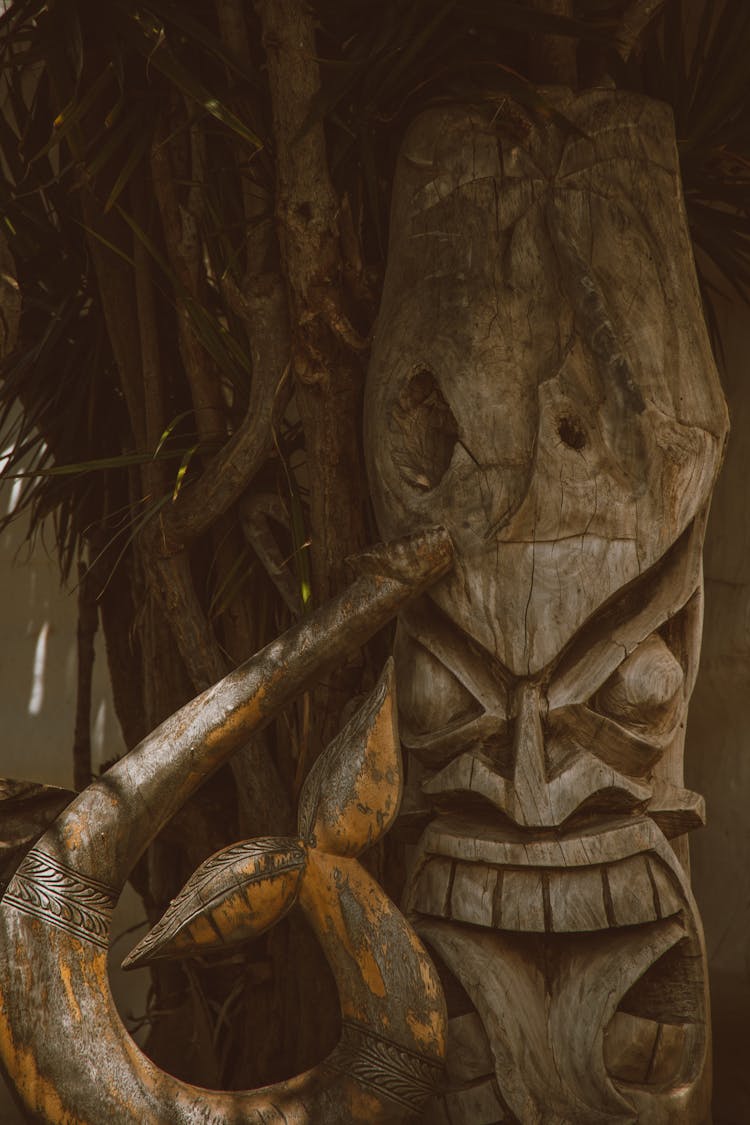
point(182, 471)
point(121, 461)
point(70, 118)
point(234, 580)
point(159, 55)
point(133, 529)
point(224, 114)
point(199, 34)
point(136, 155)
point(214, 337)
point(300, 544)
point(115, 136)
point(169, 430)
point(110, 245)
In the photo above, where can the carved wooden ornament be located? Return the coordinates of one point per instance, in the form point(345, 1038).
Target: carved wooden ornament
point(62, 1042)
point(542, 384)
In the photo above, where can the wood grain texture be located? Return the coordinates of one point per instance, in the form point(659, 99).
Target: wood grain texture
point(542, 383)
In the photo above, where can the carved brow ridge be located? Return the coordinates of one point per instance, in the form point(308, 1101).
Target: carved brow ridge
point(655, 596)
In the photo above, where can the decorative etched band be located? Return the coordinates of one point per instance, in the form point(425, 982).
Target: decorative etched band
point(47, 889)
point(385, 1067)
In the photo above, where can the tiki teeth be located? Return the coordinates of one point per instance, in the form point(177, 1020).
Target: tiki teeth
point(522, 902)
point(641, 1051)
point(628, 892)
point(576, 900)
point(473, 892)
point(665, 891)
point(631, 892)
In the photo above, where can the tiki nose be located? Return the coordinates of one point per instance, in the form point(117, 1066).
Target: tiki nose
point(531, 793)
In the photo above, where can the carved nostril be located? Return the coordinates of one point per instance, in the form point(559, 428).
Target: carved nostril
point(571, 432)
point(646, 689)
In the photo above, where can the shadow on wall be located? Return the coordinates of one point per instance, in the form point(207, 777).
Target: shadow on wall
point(37, 704)
point(38, 669)
point(718, 745)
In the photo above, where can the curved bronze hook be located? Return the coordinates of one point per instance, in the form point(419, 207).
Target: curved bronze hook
point(62, 1041)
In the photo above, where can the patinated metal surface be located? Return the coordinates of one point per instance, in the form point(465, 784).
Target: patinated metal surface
point(62, 1042)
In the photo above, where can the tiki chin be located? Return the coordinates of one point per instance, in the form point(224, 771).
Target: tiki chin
point(542, 385)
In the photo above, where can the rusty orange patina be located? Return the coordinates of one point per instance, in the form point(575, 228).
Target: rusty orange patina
point(62, 1042)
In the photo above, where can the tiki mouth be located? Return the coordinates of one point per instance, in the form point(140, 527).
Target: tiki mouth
point(616, 1019)
point(495, 876)
point(596, 918)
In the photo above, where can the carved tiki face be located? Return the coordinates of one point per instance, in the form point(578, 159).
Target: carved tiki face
point(542, 385)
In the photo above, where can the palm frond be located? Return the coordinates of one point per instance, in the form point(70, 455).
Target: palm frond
point(709, 92)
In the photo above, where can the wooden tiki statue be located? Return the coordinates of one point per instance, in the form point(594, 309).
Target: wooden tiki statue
point(543, 386)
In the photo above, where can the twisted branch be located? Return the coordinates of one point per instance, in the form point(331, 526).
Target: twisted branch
point(636, 17)
point(553, 57)
point(307, 212)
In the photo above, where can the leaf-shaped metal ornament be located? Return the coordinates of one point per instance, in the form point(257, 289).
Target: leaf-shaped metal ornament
point(234, 896)
point(353, 792)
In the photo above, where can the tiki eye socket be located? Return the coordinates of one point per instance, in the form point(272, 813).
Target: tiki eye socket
point(430, 697)
point(646, 688)
point(424, 431)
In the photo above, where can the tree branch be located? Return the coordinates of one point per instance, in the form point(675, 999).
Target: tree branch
point(153, 393)
point(184, 250)
point(307, 205)
point(167, 566)
point(327, 376)
point(233, 31)
point(115, 281)
point(227, 476)
point(88, 623)
point(170, 577)
point(553, 57)
point(260, 303)
point(636, 17)
point(10, 300)
point(256, 516)
point(261, 247)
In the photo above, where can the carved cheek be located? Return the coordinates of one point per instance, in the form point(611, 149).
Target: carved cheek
point(647, 689)
point(632, 720)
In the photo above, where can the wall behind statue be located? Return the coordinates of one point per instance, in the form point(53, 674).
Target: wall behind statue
point(38, 668)
point(718, 746)
point(37, 705)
